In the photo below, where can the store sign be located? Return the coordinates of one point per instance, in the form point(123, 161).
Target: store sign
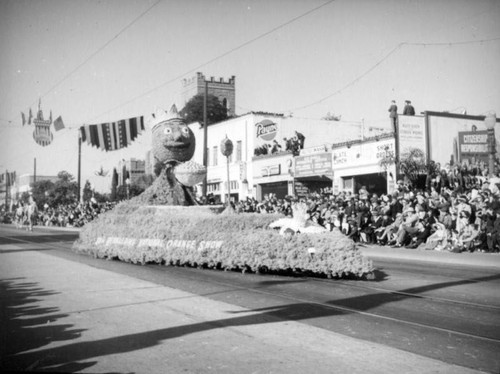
point(310, 165)
point(362, 154)
point(267, 171)
point(266, 130)
point(340, 157)
point(313, 150)
point(473, 144)
point(411, 133)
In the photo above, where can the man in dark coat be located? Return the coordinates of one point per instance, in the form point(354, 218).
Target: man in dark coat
point(408, 110)
point(393, 113)
point(301, 138)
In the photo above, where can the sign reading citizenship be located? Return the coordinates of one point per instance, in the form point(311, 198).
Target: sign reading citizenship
point(473, 144)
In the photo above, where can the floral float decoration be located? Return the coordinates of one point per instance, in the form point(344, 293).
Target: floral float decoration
point(300, 223)
point(173, 147)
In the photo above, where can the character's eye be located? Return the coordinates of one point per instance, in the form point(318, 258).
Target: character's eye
point(167, 131)
point(185, 130)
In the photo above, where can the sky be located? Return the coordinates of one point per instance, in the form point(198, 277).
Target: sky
point(100, 61)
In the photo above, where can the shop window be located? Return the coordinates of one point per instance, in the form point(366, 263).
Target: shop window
point(213, 187)
point(234, 185)
point(347, 183)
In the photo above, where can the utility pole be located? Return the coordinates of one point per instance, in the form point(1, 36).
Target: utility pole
point(205, 138)
point(79, 162)
point(34, 171)
point(7, 188)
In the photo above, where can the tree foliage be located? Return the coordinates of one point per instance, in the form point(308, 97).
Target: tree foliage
point(331, 117)
point(412, 165)
point(63, 191)
point(193, 111)
point(42, 192)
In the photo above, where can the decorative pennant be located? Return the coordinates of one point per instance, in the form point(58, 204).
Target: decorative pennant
point(58, 124)
point(113, 135)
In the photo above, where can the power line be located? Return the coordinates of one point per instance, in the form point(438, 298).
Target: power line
point(378, 63)
point(98, 50)
point(175, 79)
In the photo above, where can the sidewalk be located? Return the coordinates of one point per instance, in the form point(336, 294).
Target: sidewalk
point(68, 316)
point(405, 254)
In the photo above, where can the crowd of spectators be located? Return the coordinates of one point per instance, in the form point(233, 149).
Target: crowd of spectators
point(458, 211)
point(69, 215)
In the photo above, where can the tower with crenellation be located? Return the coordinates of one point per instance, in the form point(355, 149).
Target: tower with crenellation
point(225, 91)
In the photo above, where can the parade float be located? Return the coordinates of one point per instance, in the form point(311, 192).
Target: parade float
point(166, 225)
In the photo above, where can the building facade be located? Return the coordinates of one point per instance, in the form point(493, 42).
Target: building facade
point(132, 169)
point(281, 172)
point(225, 91)
point(358, 163)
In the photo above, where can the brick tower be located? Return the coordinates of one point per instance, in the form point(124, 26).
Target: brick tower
point(224, 91)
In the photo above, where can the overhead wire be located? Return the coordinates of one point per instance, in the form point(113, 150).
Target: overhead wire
point(379, 62)
point(232, 50)
point(97, 51)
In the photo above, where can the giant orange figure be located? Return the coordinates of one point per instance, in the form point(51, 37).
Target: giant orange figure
point(173, 147)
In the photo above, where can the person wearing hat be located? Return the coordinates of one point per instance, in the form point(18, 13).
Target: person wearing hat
point(408, 110)
point(424, 228)
point(407, 228)
point(493, 231)
point(389, 234)
point(396, 206)
point(393, 114)
point(375, 226)
point(422, 201)
point(462, 206)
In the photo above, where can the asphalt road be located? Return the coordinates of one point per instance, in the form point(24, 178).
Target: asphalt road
point(446, 312)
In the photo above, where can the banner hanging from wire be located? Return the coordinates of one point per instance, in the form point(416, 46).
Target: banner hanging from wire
point(112, 135)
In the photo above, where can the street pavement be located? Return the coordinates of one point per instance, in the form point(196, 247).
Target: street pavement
point(69, 316)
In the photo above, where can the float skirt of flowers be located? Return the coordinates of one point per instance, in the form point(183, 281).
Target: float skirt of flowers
point(201, 236)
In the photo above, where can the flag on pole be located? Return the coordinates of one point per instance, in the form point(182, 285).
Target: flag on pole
point(58, 124)
point(30, 117)
point(23, 118)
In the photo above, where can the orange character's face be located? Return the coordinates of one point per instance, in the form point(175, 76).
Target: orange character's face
point(173, 140)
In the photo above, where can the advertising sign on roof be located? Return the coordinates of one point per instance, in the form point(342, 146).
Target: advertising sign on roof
point(266, 130)
point(412, 133)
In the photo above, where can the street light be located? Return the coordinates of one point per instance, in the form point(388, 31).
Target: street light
point(226, 147)
point(490, 121)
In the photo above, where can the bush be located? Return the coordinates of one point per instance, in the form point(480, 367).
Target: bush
point(199, 236)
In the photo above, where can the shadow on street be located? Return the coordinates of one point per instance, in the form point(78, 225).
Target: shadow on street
point(30, 327)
